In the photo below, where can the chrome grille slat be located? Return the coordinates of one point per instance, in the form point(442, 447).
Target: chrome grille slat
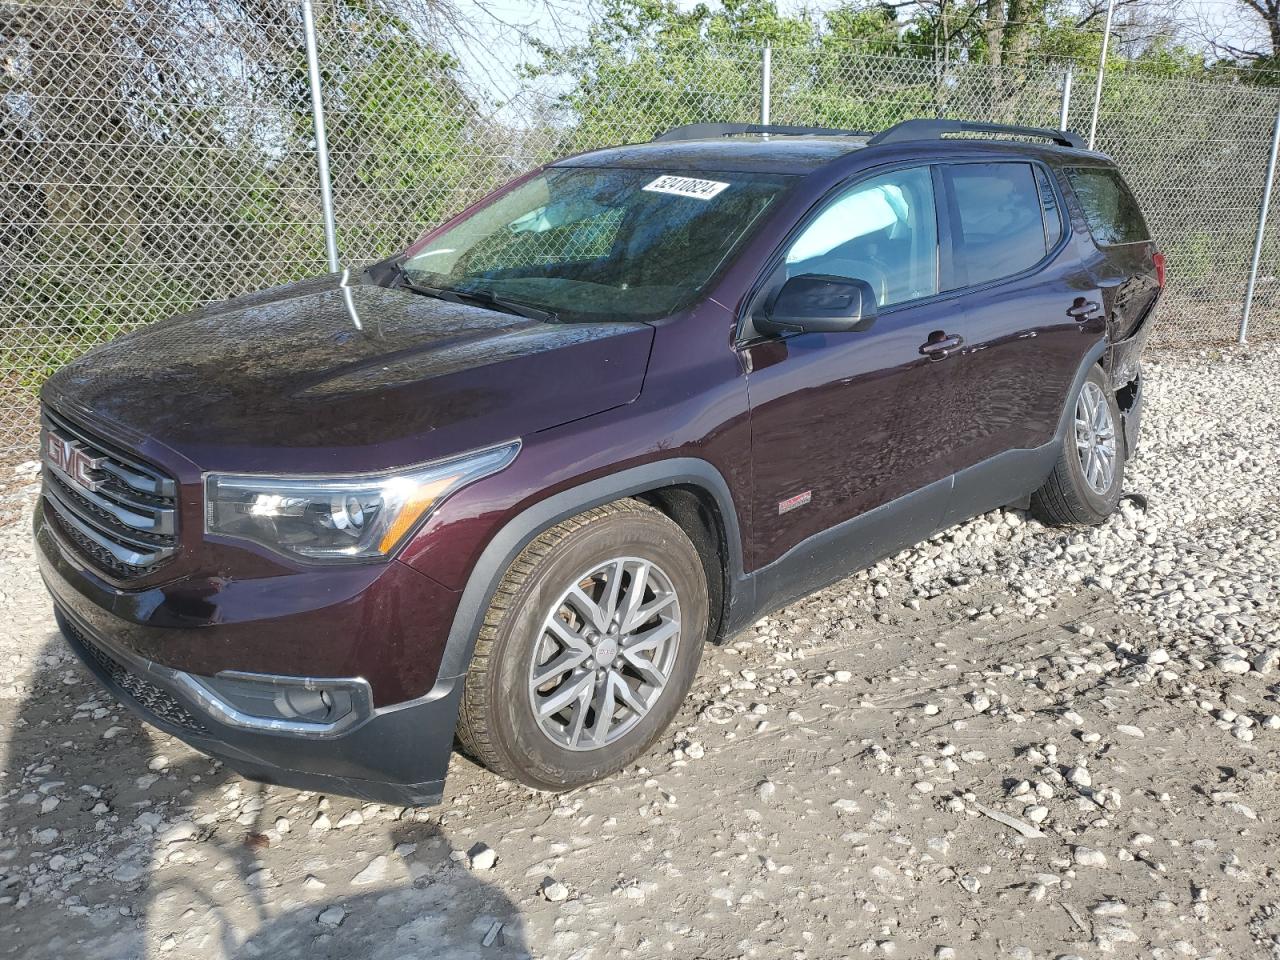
point(117, 546)
point(104, 523)
point(100, 556)
point(134, 473)
point(159, 520)
point(128, 525)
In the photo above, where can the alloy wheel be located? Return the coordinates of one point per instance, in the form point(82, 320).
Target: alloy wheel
point(604, 653)
point(1095, 438)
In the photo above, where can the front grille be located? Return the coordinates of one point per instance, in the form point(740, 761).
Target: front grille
point(120, 513)
point(100, 557)
point(152, 699)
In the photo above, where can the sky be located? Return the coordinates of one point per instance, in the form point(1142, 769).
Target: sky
point(492, 63)
point(550, 20)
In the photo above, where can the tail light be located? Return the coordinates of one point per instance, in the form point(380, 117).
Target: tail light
point(1158, 260)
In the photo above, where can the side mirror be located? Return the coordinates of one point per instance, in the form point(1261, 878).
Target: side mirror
point(815, 303)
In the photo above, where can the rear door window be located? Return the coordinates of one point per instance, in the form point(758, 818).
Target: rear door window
point(1109, 208)
point(997, 226)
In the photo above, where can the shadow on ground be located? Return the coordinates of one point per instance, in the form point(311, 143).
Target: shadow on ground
point(102, 856)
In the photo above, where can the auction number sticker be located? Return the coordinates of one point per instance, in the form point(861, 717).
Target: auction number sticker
point(686, 187)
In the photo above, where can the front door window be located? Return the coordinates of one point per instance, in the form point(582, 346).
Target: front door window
point(883, 231)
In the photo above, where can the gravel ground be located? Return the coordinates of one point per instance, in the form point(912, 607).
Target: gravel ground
point(1010, 741)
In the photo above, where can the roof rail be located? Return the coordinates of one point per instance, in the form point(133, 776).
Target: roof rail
point(706, 131)
point(935, 129)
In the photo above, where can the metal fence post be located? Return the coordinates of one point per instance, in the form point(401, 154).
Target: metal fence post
point(1102, 67)
point(766, 78)
point(1262, 229)
point(322, 144)
point(1065, 114)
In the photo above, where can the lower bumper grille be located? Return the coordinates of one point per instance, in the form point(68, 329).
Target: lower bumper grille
point(151, 698)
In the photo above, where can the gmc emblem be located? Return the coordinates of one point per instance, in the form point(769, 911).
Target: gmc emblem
point(69, 456)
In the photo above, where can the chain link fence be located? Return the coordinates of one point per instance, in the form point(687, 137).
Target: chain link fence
point(159, 156)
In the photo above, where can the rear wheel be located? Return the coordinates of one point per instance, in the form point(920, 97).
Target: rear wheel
point(588, 649)
point(1086, 482)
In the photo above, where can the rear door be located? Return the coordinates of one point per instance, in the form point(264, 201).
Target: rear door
point(1029, 316)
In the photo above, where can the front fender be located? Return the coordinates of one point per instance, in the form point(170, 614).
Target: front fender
point(518, 532)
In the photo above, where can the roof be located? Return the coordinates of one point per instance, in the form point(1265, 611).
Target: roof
point(753, 148)
point(741, 154)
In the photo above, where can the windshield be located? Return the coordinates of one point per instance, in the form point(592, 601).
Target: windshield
point(591, 243)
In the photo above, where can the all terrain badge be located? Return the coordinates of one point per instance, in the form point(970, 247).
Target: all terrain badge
point(793, 503)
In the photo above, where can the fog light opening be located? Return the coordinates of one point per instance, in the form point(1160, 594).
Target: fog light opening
point(273, 700)
point(297, 703)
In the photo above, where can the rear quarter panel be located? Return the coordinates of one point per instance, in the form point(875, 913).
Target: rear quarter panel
point(1125, 276)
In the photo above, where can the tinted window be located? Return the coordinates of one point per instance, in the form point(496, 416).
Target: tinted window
point(1049, 204)
point(1109, 208)
point(998, 229)
point(883, 231)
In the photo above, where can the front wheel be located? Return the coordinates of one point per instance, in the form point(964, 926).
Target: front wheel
point(1086, 482)
point(588, 649)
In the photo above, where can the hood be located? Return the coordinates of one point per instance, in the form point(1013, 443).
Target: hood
point(320, 377)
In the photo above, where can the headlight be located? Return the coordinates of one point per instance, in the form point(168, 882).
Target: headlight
point(341, 518)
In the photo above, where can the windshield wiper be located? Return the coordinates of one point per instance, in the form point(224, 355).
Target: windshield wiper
point(482, 298)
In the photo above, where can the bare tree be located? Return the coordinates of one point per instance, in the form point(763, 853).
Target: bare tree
point(1249, 33)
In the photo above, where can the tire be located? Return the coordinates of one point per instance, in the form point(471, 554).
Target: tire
point(498, 724)
point(1074, 495)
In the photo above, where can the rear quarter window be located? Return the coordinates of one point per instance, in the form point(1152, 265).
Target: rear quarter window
point(1109, 208)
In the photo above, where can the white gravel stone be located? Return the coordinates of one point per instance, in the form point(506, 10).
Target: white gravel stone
point(554, 890)
point(352, 818)
point(1266, 661)
point(1089, 857)
point(375, 872)
point(179, 832)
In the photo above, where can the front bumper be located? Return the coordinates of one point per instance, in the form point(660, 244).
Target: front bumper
point(396, 753)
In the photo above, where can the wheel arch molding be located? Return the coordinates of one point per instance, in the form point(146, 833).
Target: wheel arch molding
point(647, 479)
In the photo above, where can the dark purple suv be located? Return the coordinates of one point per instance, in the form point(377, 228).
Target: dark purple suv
point(507, 484)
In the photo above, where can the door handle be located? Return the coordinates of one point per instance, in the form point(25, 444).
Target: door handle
point(1082, 310)
point(939, 346)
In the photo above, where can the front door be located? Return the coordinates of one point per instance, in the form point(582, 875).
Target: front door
point(844, 424)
